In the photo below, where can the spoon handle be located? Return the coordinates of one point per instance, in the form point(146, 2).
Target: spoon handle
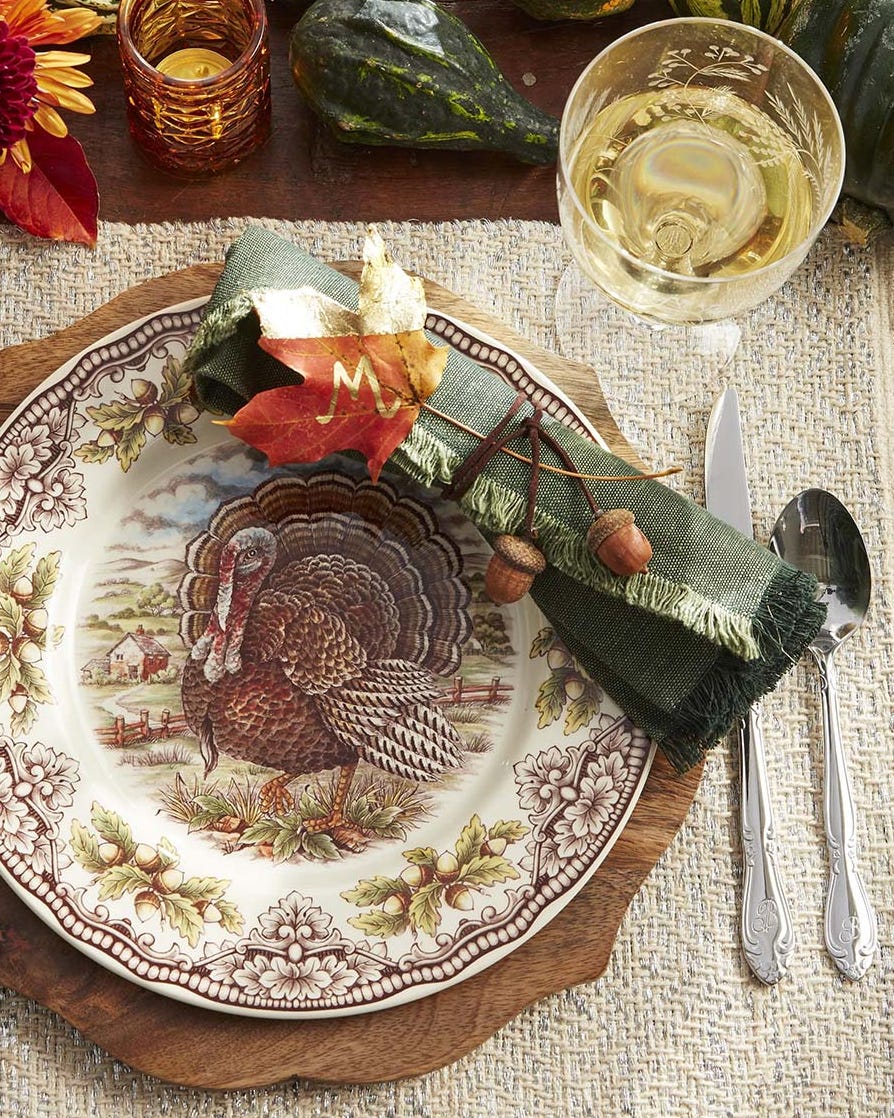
point(850, 926)
point(768, 936)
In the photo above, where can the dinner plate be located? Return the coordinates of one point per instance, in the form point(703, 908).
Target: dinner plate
point(268, 747)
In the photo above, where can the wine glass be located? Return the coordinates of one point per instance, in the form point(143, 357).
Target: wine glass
point(698, 161)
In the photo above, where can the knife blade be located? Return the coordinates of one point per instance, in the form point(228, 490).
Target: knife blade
point(726, 482)
point(766, 926)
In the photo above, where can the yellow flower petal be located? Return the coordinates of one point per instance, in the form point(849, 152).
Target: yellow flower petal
point(32, 19)
point(65, 98)
point(51, 59)
point(21, 155)
point(50, 121)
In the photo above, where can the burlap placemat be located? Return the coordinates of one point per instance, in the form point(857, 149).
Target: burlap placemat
point(676, 1027)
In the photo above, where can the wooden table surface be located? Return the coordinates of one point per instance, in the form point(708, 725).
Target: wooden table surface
point(302, 172)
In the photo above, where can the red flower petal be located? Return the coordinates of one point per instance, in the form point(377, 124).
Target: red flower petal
point(59, 197)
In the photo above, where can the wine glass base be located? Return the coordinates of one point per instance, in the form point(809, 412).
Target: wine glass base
point(627, 352)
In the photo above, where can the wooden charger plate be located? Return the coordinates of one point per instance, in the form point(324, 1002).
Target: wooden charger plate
point(197, 1047)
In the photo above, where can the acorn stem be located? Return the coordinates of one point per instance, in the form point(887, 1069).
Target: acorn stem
point(545, 465)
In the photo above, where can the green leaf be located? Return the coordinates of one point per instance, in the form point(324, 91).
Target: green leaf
point(178, 434)
point(94, 453)
point(264, 830)
point(542, 643)
point(320, 846)
point(487, 869)
point(310, 808)
point(422, 856)
point(425, 908)
point(378, 923)
point(117, 415)
point(216, 806)
point(183, 916)
point(85, 848)
point(11, 614)
point(375, 890)
point(46, 574)
point(285, 844)
point(8, 668)
point(202, 888)
point(32, 678)
point(175, 383)
point(231, 919)
point(128, 449)
point(202, 820)
point(112, 828)
point(550, 699)
point(469, 842)
point(118, 880)
point(509, 829)
point(21, 723)
point(14, 565)
point(381, 819)
point(582, 710)
point(167, 853)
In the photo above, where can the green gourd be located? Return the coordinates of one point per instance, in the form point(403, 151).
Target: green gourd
point(850, 44)
point(407, 72)
point(766, 14)
point(573, 9)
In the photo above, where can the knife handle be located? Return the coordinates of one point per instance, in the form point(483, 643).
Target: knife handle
point(768, 935)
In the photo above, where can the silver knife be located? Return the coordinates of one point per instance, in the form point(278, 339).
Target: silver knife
point(767, 930)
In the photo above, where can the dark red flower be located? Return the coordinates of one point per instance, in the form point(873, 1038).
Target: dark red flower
point(18, 87)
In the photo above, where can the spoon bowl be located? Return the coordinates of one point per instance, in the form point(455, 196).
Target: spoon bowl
point(816, 533)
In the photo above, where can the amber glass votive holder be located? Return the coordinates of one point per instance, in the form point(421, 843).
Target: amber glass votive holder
point(197, 81)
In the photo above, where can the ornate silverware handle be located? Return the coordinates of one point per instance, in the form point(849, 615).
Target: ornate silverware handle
point(850, 926)
point(768, 935)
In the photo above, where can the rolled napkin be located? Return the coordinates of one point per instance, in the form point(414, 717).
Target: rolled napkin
point(684, 648)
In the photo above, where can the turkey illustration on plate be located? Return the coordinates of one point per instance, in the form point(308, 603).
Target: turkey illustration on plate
point(321, 614)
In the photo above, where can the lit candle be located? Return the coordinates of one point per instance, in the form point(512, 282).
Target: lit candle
point(193, 63)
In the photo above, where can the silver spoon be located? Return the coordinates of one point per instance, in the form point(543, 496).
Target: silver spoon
point(816, 533)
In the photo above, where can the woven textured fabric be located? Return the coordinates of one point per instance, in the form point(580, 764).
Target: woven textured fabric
point(676, 1027)
point(723, 618)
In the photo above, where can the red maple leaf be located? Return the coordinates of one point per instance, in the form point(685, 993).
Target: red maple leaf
point(358, 393)
point(58, 198)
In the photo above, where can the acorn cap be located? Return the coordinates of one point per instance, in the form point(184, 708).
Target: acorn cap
point(606, 525)
point(520, 554)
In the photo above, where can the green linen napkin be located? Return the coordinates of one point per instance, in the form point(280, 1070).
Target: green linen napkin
point(684, 648)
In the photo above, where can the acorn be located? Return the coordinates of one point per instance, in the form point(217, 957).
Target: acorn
point(459, 897)
point(186, 413)
point(111, 853)
point(18, 700)
point(396, 905)
point(36, 621)
point(146, 905)
point(154, 421)
point(144, 391)
point(416, 876)
point(209, 912)
point(512, 569)
point(617, 542)
point(146, 857)
point(23, 588)
point(168, 880)
point(25, 650)
point(446, 867)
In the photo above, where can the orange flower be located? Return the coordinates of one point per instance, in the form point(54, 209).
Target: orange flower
point(33, 86)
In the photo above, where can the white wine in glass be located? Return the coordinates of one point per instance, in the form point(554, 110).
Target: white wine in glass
point(698, 161)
